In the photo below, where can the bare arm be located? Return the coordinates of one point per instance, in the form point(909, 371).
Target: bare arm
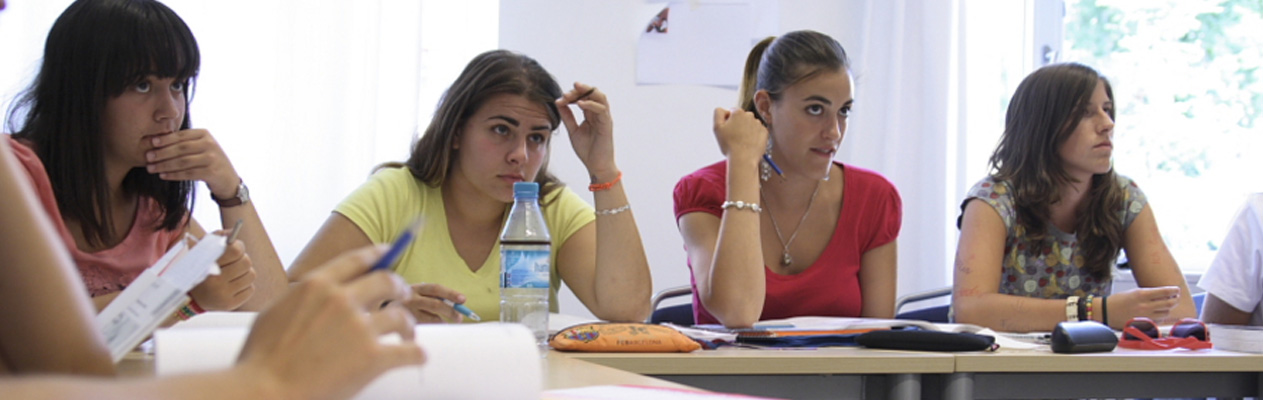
point(193, 154)
point(1153, 266)
point(878, 278)
point(270, 282)
point(726, 253)
point(606, 266)
point(288, 352)
point(49, 326)
point(604, 263)
point(976, 297)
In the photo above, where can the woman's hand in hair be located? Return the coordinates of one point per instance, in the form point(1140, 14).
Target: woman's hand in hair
point(740, 134)
point(593, 140)
point(320, 340)
point(234, 284)
point(426, 303)
point(1153, 302)
point(193, 155)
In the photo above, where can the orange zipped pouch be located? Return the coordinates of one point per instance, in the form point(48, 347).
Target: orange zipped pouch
point(622, 337)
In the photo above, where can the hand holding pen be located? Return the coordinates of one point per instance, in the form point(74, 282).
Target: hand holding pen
point(428, 300)
point(432, 302)
point(234, 284)
point(593, 139)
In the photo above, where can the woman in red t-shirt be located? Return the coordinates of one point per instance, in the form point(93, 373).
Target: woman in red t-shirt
point(779, 229)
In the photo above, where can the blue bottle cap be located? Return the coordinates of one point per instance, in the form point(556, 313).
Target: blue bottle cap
point(525, 190)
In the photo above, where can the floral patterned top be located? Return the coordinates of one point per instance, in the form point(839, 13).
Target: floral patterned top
point(1056, 271)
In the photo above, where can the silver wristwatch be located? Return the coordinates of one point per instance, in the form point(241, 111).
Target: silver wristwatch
point(242, 197)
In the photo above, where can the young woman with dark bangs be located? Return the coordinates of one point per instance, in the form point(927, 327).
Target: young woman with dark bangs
point(105, 137)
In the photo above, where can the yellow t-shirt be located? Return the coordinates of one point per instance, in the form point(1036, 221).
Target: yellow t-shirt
point(392, 198)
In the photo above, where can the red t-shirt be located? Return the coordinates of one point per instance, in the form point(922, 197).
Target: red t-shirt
point(110, 270)
point(871, 216)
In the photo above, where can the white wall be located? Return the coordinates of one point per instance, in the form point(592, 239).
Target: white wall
point(898, 49)
point(663, 132)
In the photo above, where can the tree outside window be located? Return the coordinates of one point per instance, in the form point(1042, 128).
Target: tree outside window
point(1186, 77)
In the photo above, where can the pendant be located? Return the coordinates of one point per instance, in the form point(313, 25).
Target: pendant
point(786, 260)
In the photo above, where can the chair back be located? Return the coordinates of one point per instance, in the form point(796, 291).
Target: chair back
point(937, 314)
point(678, 314)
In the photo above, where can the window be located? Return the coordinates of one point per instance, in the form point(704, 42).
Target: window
point(1186, 79)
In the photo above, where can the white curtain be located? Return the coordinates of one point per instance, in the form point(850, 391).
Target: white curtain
point(305, 97)
point(905, 126)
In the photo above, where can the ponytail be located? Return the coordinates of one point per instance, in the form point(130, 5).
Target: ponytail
point(750, 78)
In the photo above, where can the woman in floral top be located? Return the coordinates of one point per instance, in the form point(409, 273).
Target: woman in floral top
point(1040, 246)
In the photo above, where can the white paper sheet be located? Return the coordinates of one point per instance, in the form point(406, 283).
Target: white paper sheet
point(461, 360)
point(156, 293)
point(702, 44)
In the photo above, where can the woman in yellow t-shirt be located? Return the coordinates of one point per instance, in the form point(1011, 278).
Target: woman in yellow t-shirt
point(492, 128)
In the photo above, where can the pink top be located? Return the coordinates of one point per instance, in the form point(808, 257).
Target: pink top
point(110, 270)
point(871, 216)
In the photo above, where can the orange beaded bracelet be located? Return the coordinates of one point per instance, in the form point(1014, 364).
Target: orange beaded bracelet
point(596, 187)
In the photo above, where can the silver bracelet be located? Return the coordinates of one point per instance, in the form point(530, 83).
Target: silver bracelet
point(613, 211)
point(741, 205)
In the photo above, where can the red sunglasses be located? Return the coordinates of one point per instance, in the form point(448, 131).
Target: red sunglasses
point(1142, 334)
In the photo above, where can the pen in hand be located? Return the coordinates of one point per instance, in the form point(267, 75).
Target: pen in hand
point(460, 308)
point(396, 248)
point(582, 96)
point(236, 228)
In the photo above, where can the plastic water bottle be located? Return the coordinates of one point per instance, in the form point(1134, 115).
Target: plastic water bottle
point(525, 247)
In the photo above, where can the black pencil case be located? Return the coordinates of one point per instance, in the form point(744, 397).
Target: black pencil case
point(922, 340)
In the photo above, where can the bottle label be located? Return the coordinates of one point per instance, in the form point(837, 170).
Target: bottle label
point(524, 269)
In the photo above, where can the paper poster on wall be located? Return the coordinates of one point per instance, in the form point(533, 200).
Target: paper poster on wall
point(701, 42)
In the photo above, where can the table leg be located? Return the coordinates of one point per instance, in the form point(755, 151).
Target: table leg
point(959, 386)
point(905, 386)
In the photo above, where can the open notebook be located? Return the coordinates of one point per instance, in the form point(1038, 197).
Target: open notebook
point(460, 358)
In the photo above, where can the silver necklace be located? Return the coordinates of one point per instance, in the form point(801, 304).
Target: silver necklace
point(786, 259)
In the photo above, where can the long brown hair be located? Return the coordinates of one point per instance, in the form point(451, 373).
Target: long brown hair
point(775, 64)
point(490, 73)
point(1042, 115)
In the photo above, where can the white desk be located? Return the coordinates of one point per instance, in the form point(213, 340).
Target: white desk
point(560, 372)
point(841, 372)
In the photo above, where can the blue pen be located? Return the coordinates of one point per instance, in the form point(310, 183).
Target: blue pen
point(396, 248)
point(768, 158)
point(460, 308)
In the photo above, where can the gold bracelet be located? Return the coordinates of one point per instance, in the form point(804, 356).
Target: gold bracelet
point(612, 211)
